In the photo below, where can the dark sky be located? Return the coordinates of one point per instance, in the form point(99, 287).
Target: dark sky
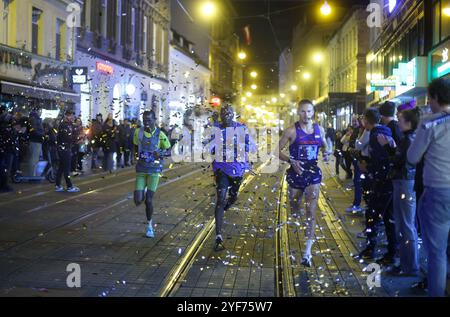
point(267, 43)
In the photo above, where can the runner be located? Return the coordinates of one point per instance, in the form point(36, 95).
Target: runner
point(228, 174)
point(149, 141)
point(304, 176)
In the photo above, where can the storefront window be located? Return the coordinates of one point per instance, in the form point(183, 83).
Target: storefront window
point(445, 17)
point(436, 18)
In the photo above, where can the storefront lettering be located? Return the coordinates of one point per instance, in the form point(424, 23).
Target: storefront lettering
point(47, 70)
point(445, 55)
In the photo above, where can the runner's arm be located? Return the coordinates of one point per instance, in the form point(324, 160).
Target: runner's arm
point(287, 137)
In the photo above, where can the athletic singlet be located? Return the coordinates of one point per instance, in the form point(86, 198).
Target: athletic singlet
point(306, 147)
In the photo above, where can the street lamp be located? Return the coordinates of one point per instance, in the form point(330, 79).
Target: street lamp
point(254, 74)
point(306, 75)
point(242, 55)
point(248, 94)
point(208, 9)
point(294, 87)
point(318, 57)
point(325, 9)
point(274, 100)
point(254, 87)
point(446, 11)
point(282, 95)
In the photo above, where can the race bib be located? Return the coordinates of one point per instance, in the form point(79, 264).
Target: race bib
point(146, 157)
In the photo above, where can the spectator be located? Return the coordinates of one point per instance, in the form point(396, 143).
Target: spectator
point(330, 136)
point(404, 196)
point(380, 196)
point(109, 143)
point(65, 140)
point(431, 143)
point(36, 138)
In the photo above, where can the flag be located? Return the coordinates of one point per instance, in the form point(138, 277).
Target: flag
point(248, 38)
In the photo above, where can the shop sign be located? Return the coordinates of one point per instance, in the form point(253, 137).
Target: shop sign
point(104, 68)
point(155, 86)
point(383, 84)
point(79, 75)
point(439, 61)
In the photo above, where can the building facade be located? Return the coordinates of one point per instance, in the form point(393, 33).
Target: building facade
point(190, 77)
point(125, 46)
point(398, 57)
point(226, 80)
point(285, 75)
point(344, 71)
point(36, 55)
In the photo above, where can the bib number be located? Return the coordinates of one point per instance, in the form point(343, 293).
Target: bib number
point(146, 157)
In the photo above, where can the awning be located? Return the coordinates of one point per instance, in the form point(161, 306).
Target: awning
point(17, 89)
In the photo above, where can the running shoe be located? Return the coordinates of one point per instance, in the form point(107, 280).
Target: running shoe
point(354, 209)
point(73, 189)
point(219, 243)
point(59, 189)
point(150, 233)
point(307, 260)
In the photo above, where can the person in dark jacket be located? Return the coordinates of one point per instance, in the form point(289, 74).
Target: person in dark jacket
point(65, 140)
point(36, 138)
point(6, 151)
point(380, 197)
point(95, 138)
point(330, 136)
point(338, 154)
point(109, 143)
point(124, 145)
point(404, 196)
point(49, 147)
point(387, 111)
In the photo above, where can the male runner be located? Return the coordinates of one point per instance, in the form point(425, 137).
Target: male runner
point(228, 173)
point(304, 176)
point(150, 141)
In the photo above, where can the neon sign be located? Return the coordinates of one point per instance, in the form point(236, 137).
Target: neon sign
point(104, 68)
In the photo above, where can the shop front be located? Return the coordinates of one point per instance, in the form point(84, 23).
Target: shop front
point(439, 62)
point(30, 81)
point(408, 82)
point(114, 88)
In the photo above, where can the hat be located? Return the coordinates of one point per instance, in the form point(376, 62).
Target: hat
point(387, 109)
point(407, 106)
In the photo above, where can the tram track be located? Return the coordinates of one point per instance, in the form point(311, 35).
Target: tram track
point(179, 272)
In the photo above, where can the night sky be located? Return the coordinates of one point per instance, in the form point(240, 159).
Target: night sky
point(267, 44)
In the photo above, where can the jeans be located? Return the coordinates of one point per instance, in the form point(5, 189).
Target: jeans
point(434, 214)
point(35, 150)
point(108, 161)
point(357, 184)
point(5, 163)
point(65, 162)
point(330, 145)
point(404, 199)
point(380, 208)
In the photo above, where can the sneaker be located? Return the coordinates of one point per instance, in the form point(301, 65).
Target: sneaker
point(396, 271)
point(219, 243)
point(422, 285)
point(367, 253)
point(149, 233)
point(307, 260)
point(73, 189)
point(387, 259)
point(354, 209)
point(361, 235)
point(59, 189)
